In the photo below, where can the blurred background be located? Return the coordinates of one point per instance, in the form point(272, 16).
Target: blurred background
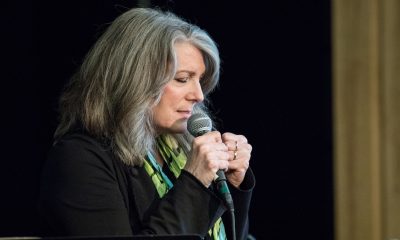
point(275, 89)
point(310, 83)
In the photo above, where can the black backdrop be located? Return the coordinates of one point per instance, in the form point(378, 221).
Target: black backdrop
point(275, 89)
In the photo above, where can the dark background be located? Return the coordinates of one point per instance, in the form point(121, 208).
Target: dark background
point(275, 89)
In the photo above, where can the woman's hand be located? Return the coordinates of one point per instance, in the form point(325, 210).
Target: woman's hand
point(208, 155)
point(239, 157)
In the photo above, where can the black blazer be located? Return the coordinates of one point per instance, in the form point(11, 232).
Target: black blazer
point(86, 190)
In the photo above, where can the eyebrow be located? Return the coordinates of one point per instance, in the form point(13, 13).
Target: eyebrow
point(186, 71)
point(191, 73)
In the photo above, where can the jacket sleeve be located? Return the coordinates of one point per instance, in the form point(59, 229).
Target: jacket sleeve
point(241, 200)
point(188, 208)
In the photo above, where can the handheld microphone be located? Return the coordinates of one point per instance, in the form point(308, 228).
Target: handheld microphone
point(199, 124)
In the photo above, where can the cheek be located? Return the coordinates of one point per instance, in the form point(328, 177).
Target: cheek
point(171, 96)
point(168, 103)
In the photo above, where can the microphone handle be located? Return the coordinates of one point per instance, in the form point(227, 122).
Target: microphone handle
point(223, 189)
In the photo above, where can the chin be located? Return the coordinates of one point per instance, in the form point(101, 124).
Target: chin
point(178, 131)
point(179, 127)
point(175, 129)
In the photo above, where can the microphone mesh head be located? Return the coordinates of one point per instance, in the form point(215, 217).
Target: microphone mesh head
point(198, 124)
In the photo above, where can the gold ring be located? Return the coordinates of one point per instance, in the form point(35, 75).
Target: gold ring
point(235, 152)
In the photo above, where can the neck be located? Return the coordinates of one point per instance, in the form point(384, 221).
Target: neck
point(158, 157)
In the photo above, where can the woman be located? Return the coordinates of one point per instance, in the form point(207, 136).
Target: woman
point(123, 162)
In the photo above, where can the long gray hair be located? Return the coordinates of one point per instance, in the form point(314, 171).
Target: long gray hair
point(123, 76)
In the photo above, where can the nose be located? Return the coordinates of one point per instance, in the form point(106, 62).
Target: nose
point(196, 93)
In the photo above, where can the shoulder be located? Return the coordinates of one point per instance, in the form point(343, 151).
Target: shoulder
point(79, 152)
point(79, 177)
point(78, 141)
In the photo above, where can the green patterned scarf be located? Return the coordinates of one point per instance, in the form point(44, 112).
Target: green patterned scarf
point(175, 158)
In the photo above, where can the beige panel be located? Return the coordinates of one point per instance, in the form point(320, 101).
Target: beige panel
point(391, 157)
point(366, 85)
point(356, 119)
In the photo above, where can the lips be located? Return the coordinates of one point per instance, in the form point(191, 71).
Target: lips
point(185, 113)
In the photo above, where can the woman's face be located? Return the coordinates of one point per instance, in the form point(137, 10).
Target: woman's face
point(181, 93)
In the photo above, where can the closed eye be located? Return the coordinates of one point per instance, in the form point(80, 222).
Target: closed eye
point(182, 80)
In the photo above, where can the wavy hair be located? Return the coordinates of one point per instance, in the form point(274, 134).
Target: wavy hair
point(123, 76)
